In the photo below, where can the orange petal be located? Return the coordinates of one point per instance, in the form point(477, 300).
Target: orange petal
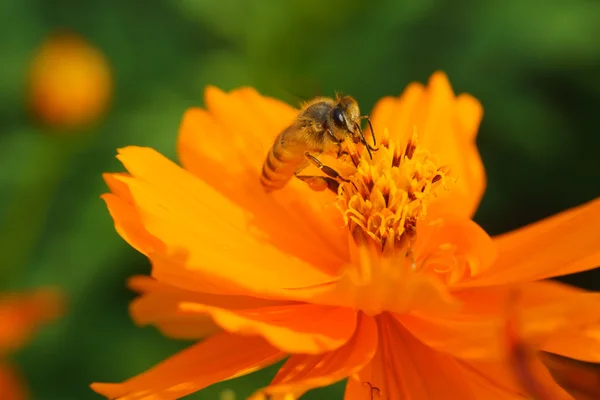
point(305, 372)
point(159, 306)
point(129, 225)
point(447, 126)
point(582, 380)
point(116, 186)
point(150, 286)
point(566, 243)
point(453, 248)
point(226, 147)
point(12, 386)
point(397, 114)
point(492, 380)
point(500, 380)
point(239, 126)
point(371, 283)
point(21, 314)
point(546, 310)
point(207, 237)
point(585, 348)
point(293, 328)
point(404, 368)
point(469, 338)
point(581, 338)
point(300, 328)
point(484, 380)
point(220, 357)
point(447, 249)
point(523, 358)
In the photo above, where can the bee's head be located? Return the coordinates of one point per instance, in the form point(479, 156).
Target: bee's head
point(346, 118)
point(346, 114)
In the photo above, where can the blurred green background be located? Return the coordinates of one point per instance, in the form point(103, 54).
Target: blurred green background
point(534, 65)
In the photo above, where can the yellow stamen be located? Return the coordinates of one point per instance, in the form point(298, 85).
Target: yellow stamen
point(389, 194)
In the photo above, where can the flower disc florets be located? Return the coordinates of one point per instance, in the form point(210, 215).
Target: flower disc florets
point(389, 193)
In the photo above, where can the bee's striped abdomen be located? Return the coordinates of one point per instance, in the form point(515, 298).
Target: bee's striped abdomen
point(280, 165)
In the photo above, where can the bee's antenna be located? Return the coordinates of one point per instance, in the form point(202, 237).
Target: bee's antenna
point(367, 146)
point(364, 140)
point(372, 131)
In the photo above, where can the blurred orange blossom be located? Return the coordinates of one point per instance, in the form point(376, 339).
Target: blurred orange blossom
point(390, 284)
point(20, 315)
point(70, 82)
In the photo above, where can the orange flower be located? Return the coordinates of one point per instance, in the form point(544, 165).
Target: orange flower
point(20, 314)
point(70, 82)
point(390, 283)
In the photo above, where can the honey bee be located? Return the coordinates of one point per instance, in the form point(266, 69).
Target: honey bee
point(321, 128)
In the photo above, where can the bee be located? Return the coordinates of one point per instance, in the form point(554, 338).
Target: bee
point(320, 128)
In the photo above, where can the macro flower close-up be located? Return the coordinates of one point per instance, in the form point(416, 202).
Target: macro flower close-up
point(382, 278)
point(20, 316)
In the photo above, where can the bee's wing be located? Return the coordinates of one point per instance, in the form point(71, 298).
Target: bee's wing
point(300, 91)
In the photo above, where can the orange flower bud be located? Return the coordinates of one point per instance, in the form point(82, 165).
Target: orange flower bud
point(70, 82)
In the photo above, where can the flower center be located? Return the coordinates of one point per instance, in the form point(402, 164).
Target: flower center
point(389, 194)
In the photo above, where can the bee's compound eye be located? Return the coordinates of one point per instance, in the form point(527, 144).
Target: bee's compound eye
point(338, 118)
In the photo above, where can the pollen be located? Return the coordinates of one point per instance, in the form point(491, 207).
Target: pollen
point(386, 198)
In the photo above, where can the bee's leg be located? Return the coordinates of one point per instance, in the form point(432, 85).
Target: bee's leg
point(330, 172)
point(353, 155)
point(320, 183)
